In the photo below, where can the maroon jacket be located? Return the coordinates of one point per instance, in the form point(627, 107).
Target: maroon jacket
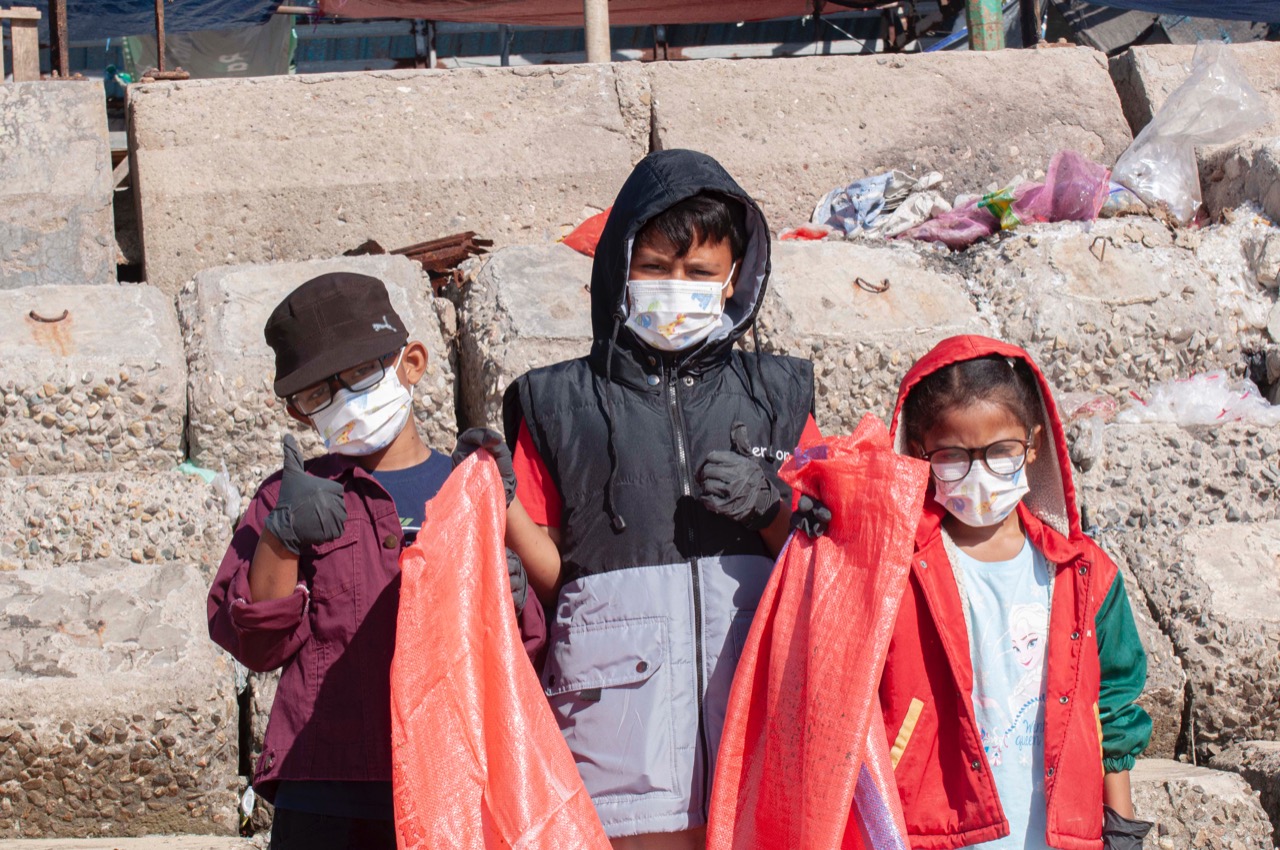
point(334, 636)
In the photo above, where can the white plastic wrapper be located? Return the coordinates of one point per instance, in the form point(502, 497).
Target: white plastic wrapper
point(1214, 106)
point(1208, 399)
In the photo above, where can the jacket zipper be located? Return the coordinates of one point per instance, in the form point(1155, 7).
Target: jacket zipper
point(686, 487)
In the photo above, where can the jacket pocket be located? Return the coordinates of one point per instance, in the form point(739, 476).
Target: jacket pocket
point(610, 687)
point(334, 564)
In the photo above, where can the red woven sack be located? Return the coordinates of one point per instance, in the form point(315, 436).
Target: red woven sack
point(477, 759)
point(803, 759)
point(586, 236)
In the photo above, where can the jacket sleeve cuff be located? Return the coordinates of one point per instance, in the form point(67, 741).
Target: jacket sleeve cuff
point(272, 615)
point(1117, 764)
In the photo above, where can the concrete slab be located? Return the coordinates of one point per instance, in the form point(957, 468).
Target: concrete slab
point(1145, 76)
point(861, 342)
point(55, 185)
point(118, 715)
point(50, 520)
point(1121, 304)
point(1197, 807)
point(397, 156)
point(791, 131)
point(1259, 763)
point(150, 842)
point(235, 417)
point(505, 335)
point(94, 380)
point(1165, 696)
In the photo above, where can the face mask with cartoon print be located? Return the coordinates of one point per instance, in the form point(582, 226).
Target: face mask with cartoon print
point(672, 315)
point(982, 498)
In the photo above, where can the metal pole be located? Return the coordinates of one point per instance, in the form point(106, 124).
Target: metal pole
point(504, 48)
point(431, 44)
point(1029, 15)
point(595, 15)
point(59, 54)
point(986, 24)
point(160, 36)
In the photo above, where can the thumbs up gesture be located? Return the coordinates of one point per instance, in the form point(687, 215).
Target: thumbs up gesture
point(734, 484)
point(309, 510)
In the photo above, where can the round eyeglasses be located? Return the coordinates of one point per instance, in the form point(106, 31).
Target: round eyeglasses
point(1003, 457)
point(357, 379)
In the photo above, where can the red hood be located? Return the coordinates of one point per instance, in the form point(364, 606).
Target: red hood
point(1052, 499)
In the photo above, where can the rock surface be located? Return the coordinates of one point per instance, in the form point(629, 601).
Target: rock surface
point(118, 714)
point(1197, 807)
point(791, 131)
point(235, 417)
point(1259, 763)
point(1245, 173)
point(94, 380)
point(50, 520)
point(514, 154)
point(55, 185)
point(153, 842)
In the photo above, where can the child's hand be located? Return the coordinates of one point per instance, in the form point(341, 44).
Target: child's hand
point(735, 485)
point(519, 580)
point(811, 516)
point(491, 441)
point(1121, 833)
point(309, 510)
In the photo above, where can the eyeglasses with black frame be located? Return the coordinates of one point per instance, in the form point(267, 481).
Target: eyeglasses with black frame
point(364, 376)
point(1003, 457)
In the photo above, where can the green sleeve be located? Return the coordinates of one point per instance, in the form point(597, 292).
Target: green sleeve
point(1126, 727)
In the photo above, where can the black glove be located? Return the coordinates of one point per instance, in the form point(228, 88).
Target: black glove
point(811, 516)
point(309, 510)
point(1120, 833)
point(735, 485)
point(519, 581)
point(491, 441)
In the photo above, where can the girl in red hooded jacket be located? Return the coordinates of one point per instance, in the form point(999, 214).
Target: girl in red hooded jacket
point(1009, 688)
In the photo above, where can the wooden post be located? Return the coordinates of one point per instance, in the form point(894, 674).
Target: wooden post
point(59, 54)
point(1029, 15)
point(986, 24)
point(595, 15)
point(160, 36)
point(25, 37)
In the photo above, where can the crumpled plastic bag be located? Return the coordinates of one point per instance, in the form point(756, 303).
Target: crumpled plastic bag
point(586, 236)
point(1214, 106)
point(960, 228)
point(918, 208)
point(1211, 398)
point(477, 758)
point(1074, 189)
point(804, 759)
point(860, 205)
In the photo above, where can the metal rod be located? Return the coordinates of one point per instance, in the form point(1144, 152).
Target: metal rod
point(60, 54)
point(986, 24)
point(595, 15)
point(1029, 15)
point(160, 36)
point(431, 44)
point(504, 44)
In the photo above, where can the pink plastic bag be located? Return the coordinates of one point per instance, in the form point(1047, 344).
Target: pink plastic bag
point(1074, 190)
point(957, 229)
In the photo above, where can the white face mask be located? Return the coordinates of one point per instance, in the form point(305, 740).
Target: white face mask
point(982, 498)
point(365, 422)
point(672, 315)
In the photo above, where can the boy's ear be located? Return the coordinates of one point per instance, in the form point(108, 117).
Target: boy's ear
point(296, 415)
point(1037, 439)
point(413, 363)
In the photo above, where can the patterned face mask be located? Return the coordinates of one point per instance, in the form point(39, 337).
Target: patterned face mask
point(672, 315)
point(361, 423)
point(982, 498)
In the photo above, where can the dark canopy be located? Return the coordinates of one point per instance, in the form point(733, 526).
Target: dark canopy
point(91, 20)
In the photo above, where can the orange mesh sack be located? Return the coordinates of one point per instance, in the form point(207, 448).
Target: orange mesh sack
point(803, 759)
point(477, 759)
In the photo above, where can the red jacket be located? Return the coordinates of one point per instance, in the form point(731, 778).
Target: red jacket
point(948, 792)
point(334, 635)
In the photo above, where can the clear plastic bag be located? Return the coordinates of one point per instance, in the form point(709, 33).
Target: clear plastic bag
point(1208, 399)
point(1214, 106)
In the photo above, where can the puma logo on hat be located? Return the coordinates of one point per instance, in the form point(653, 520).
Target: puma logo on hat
point(384, 325)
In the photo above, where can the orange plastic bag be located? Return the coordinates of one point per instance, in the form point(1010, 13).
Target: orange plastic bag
point(477, 759)
point(586, 236)
point(803, 759)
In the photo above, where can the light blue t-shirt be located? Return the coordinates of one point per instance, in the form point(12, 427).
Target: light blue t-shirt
point(1008, 606)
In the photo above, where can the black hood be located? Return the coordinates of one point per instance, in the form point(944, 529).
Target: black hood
point(661, 180)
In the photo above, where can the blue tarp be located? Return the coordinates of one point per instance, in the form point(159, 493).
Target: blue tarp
point(95, 20)
point(1262, 11)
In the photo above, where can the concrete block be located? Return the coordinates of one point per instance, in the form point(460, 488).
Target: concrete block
point(791, 131)
point(1165, 696)
point(235, 417)
point(152, 842)
point(526, 307)
point(118, 715)
point(52, 520)
point(1145, 76)
point(101, 389)
point(55, 186)
point(397, 156)
point(861, 342)
point(1121, 304)
point(1248, 173)
point(1197, 807)
point(1259, 763)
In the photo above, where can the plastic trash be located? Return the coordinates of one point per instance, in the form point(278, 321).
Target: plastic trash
point(862, 204)
point(586, 236)
point(804, 760)
point(1120, 201)
point(960, 228)
point(1074, 189)
point(1212, 398)
point(1214, 106)
point(228, 492)
point(918, 208)
point(477, 758)
point(805, 233)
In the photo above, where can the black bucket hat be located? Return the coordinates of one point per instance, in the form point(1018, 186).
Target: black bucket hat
point(330, 323)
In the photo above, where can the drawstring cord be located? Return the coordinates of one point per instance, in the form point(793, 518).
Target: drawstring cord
point(615, 518)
